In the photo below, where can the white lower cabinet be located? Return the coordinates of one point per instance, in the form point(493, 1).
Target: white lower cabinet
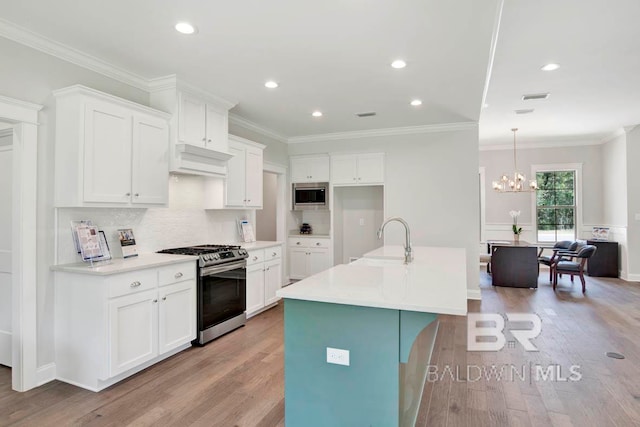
point(308, 256)
point(264, 278)
point(111, 326)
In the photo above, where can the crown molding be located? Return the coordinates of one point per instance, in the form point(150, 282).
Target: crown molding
point(248, 124)
point(407, 130)
point(39, 42)
point(172, 82)
point(550, 143)
point(613, 135)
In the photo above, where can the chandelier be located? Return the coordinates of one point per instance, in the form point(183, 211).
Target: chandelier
point(517, 182)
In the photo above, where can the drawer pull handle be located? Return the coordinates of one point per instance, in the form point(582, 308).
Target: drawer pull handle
point(128, 194)
point(164, 298)
point(155, 300)
point(255, 258)
point(135, 284)
point(318, 244)
point(297, 243)
point(273, 254)
point(178, 275)
point(137, 194)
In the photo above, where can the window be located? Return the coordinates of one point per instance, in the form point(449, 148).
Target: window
point(556, 208)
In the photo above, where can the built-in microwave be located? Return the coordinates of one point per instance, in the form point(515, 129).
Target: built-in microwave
point(310, 196)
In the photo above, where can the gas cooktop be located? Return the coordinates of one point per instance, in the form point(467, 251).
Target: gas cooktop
point(210, 254)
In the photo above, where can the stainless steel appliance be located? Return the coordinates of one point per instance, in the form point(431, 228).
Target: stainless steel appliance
point(310, 196)
point(222, 288)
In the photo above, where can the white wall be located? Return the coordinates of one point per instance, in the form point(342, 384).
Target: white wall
point(633, 203)
point(358, 213)
point(266, 217)
point(6, 227)
point(431, 181)
point(614, 195)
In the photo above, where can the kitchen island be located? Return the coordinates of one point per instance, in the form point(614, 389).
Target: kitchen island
point(359, 337)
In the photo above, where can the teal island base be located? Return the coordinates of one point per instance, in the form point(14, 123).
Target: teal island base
point(389, 353)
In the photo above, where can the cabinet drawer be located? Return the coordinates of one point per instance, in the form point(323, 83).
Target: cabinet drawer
point(123, 284)
point(273, 253)
point(176, 273)
point(255, 257)
point(299, 243)
point(318, 243)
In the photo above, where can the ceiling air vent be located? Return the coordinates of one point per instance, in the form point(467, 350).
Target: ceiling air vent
point(534, 96)
point(367, 114)
point(527, 111)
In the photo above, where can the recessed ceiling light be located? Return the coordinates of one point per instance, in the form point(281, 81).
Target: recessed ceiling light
point(550, 67)
point(271, 84)
point(398, 63)
point(185, 28)
point(416, 102)
point(317, 114)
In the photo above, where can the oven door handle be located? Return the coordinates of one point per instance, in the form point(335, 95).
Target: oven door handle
point(208, 271)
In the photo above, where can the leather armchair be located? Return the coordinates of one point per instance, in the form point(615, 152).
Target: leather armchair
point(574, 268)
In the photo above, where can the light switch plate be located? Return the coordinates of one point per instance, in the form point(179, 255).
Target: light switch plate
point(337, 356)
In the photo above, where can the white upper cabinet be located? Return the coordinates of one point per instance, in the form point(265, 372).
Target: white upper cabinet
point(244, 177)
point(357, 169)
point(109, 151)
point(310, 169)
point(202, 124)
point(199, 127)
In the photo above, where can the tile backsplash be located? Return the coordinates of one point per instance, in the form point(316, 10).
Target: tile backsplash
point(154, 228)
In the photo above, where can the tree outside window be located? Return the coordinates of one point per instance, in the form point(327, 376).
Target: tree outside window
point(556, 206)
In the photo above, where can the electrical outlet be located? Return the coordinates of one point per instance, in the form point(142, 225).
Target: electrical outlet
point(361, 221)
point(337, 356)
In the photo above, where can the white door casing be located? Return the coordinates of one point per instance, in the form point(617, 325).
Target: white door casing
point(24, 115)
point(6, 226)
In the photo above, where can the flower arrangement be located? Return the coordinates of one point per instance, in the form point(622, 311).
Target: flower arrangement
point(516, 230)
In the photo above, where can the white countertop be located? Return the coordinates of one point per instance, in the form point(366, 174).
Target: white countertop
point(318, 236)
point(122, 265)
point(261, 244)
point(435, 282)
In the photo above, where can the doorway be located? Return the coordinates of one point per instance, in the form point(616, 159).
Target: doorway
point(6, 226)
point(266, 218)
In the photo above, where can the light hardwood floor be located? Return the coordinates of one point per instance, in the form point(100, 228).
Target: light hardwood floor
point(237, 380)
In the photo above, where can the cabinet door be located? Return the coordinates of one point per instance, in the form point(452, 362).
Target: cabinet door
point(133, 330)
point(298, 263)
point(318, 260)
point(344, 170)
point(236, 177)
point(319, 169)
point(255, 288)
point(272, 281)
point(300, 170)
point(192, 121)
point(371, 168)
point(217, 129)
point(177, 315)
point(107, 154)
point(150, 164)
point(254, 178)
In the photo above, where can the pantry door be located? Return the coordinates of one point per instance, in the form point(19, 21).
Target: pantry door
point(6, 171)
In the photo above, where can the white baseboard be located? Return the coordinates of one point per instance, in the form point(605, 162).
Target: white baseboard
point(474, 294)
point(633, 278)
point(45, 374)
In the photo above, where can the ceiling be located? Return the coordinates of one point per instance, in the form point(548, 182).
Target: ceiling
point(334, 56)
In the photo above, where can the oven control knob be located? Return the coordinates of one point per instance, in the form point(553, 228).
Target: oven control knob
point(207, 257)
point(215, 256)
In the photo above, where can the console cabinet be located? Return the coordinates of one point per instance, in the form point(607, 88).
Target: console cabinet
point(109, 152)
point(109, 327)
point(604, 263)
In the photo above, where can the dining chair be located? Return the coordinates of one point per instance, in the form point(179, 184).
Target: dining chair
point(573, 268)
point(548, 260)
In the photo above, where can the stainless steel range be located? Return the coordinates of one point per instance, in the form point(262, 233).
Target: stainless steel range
point(222, 288)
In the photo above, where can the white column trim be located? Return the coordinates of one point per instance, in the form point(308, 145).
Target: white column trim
point(24, 115)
